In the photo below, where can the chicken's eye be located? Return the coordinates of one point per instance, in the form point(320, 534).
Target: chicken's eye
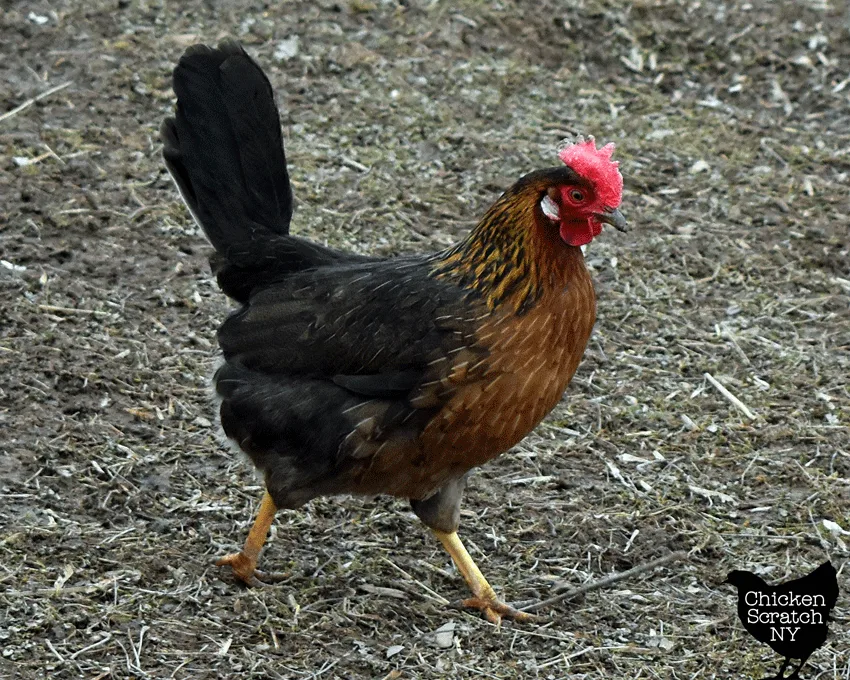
point(577, 196)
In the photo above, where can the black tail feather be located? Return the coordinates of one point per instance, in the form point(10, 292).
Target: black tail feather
point(224, 149)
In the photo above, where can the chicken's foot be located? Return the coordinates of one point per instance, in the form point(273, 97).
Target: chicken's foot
point(485, 598)
point(244, 563)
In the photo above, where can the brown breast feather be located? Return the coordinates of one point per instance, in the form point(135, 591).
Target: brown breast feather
point(494, 402)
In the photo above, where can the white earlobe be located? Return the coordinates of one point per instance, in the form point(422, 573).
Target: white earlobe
point(550, 209)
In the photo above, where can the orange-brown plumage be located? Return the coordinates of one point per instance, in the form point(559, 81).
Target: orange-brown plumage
point(540, 310)
point(347, 374)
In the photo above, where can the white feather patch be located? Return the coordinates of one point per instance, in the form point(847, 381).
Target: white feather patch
point(550, 209)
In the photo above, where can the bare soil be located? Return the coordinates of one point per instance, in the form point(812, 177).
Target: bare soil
point(403, 122)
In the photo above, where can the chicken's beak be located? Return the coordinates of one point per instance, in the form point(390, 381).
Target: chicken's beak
point(613, 217)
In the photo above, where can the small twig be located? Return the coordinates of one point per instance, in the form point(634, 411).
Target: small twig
point(53, 592)
point(327, 666)
point(531, 480)
point(740, 34)
point(731, 398)
point(433, 595)
point(93, 645)
point(70, 310)
point(353, 164)
point(53, 153)
point(30, 102)
point(36, 160)
point(55, 653)
point(730, 336)
point(607, 581)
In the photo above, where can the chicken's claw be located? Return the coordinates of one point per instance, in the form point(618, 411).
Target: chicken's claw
point(245, 569)
point(495, 610)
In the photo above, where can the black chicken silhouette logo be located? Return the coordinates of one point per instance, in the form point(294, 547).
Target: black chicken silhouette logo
point(790, 617)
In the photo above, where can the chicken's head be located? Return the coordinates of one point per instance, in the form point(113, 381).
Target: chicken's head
point(581, 207)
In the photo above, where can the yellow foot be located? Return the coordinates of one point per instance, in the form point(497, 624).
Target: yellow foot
point(495, 610)
point(245, 569)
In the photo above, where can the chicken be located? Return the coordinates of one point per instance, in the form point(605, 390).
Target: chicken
point(346, 374)
point(790, 617)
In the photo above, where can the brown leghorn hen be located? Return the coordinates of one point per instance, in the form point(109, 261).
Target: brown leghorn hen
point(352, 375)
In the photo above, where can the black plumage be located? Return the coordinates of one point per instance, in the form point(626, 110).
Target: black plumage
point(225, 151)
point(375, 382)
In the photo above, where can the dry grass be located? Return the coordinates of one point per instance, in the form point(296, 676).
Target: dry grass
point(404, 122)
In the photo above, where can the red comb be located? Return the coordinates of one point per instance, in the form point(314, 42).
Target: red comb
point(596, 166)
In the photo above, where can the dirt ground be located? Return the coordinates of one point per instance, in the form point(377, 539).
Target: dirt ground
point(403, 122)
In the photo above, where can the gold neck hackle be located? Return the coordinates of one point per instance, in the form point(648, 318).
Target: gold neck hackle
point(514, 254)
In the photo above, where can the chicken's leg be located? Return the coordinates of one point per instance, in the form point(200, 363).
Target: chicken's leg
point(485, 598)
point(244, 563)
point(441, 514)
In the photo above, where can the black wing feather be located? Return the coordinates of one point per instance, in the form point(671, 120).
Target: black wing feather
point(382, 385)
point(384, 320)
point(331, 366)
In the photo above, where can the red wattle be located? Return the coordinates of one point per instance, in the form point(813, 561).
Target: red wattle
point(580, 234)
